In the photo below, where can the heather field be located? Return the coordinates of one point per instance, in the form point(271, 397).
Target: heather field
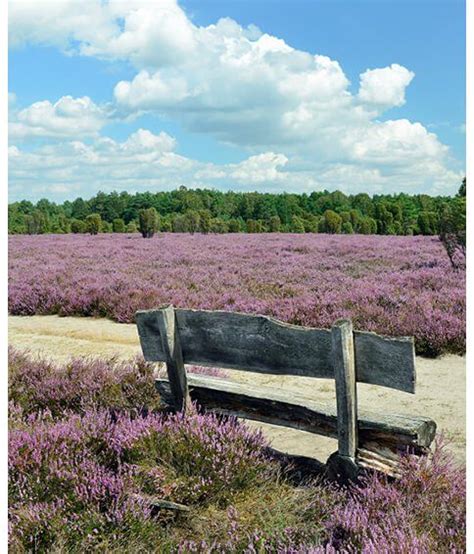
point(392, 285)
point(89, 450)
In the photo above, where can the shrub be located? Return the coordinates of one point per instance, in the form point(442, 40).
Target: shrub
point(93, 224)
point(234, 226)
point(84, 444)
point(132, 227)
point(218, 225)
point(274, 224)
point(390, 285)
point(36, 223)
point(347, 228)
point(118, 225)
point(86, 448)
point(297, 224)
point(423, 511)
point(78, 226)
point(37, 385)
point(148, 222)
point(332, 222)
point(106, 227)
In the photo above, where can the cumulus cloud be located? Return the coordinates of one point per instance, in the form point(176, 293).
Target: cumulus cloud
point(392, 142)
point(68, 117)
point(68, 24)
point(292, 111)
point(148, 161)
point(385, 87)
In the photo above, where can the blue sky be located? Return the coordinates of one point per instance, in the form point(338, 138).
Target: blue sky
point(244, 95)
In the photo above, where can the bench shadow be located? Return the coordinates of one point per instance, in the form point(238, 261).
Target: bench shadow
point(298, 469)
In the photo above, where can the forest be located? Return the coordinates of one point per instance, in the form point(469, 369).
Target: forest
point(211, 211)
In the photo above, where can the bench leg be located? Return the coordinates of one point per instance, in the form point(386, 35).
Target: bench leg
point(342, 465)
point(174, 359)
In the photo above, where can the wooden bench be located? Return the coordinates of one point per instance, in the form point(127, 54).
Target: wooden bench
point(264, 345)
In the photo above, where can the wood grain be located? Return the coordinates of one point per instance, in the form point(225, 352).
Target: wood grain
point(346, 390)
point(279, 408)
point(264, 345)
point(171, 344)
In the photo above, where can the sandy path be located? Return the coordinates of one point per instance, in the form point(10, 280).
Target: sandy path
point(440, 394)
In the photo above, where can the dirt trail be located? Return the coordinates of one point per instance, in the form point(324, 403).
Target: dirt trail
point(441, 392)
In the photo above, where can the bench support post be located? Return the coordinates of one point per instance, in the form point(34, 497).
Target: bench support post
point(174, 359)
point(342, 465)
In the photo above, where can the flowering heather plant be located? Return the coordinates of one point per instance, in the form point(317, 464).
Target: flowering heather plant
point(85, 470)
point(391, 285)
point(80, 472)
point(423, 512)
point(37, 384)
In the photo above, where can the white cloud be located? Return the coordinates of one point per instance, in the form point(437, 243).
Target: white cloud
point(391, 142)
point(145, 161)
point(68, 117)
point(286, 107)
point(385, 87)
point(263, 168)
point(60, 23)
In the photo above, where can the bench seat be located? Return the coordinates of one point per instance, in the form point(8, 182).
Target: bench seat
point(377, 431)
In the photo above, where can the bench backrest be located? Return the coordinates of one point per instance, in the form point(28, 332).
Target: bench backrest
point(264, 345)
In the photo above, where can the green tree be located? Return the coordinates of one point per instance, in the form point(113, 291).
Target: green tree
point(332, 222)
point(392, 214)
point(193, 221)
point(234, 226)
point(118, 225)
point(346, 217)
point(59, 223)
point(166, 225)
point(132, 226)
point(297, 225)
point(16, 220)
point(78, 226)
point(311, 223)
point(355, 219)
point(93, 224)
point(80, 209)
point(452, 230)
point(36, 223)
point(384, 218)
point(179, 223)
point(347, 228)
point(106, 227)
point(218, 225)
point(251, 226)
point(205, 217)
point(148, 222)
point(274, 224)
point(427, 223)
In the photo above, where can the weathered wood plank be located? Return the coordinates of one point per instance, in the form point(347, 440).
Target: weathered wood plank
point(385, 361)
point(264, 345)
point(346, 389)
point(276, 407)
point(170, 341)
point(369, 459)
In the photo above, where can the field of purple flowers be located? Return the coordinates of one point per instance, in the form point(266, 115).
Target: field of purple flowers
point(392, 285)
point(88, 448)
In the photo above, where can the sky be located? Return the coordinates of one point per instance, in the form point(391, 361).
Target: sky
point(267, 95)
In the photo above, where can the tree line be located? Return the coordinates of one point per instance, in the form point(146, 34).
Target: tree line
point(211, 211)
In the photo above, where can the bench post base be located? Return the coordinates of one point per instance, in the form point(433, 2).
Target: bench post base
point(342, 469)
